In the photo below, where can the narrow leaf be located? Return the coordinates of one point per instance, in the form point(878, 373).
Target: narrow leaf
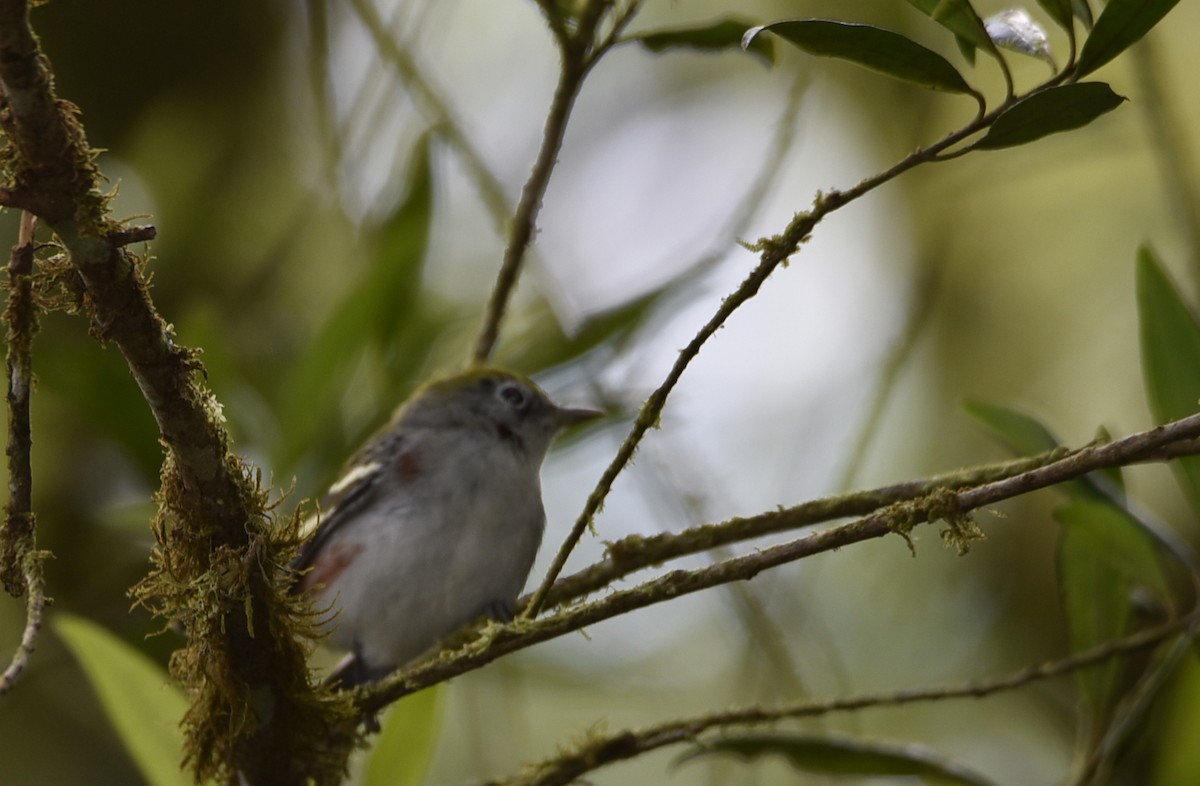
point(1083, 12)
point(714, 37)
point(143, 706)
point(1021, 433)
point(1170, 343)
point(834, 755)
point(402, 752)
point(960, 18)
point(966, 49)
point(1025, 435)
point(1120, 25)
point(872, 47)
point(1048, 112)
point(1104, 554)
point(1059, 11)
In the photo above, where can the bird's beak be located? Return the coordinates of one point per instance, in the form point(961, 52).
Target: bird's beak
point(565, 417)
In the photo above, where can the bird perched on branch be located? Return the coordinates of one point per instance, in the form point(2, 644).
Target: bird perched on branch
point(435, 522)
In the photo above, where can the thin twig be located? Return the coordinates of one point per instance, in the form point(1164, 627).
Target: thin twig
point(435, 109)
point(570, 79)
point(599, 751)
point(20, 561)
point(774, 251)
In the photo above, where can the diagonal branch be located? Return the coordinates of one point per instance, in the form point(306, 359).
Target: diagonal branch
point(946, 504)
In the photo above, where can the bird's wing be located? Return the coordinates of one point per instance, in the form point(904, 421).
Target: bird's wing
point(345, 497)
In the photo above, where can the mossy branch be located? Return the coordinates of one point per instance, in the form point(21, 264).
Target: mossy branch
point(219, 550)
point(907, 509)
point(20, 561)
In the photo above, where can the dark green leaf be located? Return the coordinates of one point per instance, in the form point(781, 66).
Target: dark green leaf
point(372, 315)
point(873, 47)
point(960, 18)
point(1050, 111)
point(832, 755)
point(1059, 11)
point(138, 697)
point(1121, 23)
point(716, 36)
point(1024, 435)
point(1104, 554)
point(966, 48)
point(1170, 342)
point(1083, 12)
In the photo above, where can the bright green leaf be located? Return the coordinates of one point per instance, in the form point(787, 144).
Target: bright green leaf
point(1176, 757)
point(1170, 343)
point(716, 36)
point(873, 47)
point(1059, 11)
point(834, 755)
point(402, 752)
point(1104, 554)
point(1050, 111)
point(137, 695)
point(1120, 25)
point(960, 18)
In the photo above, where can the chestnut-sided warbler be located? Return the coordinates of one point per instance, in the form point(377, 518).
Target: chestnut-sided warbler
point(435, 522)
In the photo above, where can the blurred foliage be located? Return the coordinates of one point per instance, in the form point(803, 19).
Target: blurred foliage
point(317, 316)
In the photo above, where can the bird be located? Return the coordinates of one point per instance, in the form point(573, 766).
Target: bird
point(435, 521)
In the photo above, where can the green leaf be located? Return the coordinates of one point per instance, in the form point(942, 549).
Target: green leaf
point(872, 47)
point(960, 18)
point(401, 754)
point(1175, 755)
point(372, 315)
point(143, 706)
point(1024, 435)
point(834, 755)
point(712, 37)
point(1170, 343)
point(1048, 112)
point(1083, 11)
point(1059, 11)
point(1104, 553)
point(1121, 24)
point(966, 48)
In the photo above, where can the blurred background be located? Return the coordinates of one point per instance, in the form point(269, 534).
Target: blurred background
point(287, 163)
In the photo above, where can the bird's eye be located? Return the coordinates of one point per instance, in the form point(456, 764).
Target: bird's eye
point(513, 395)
